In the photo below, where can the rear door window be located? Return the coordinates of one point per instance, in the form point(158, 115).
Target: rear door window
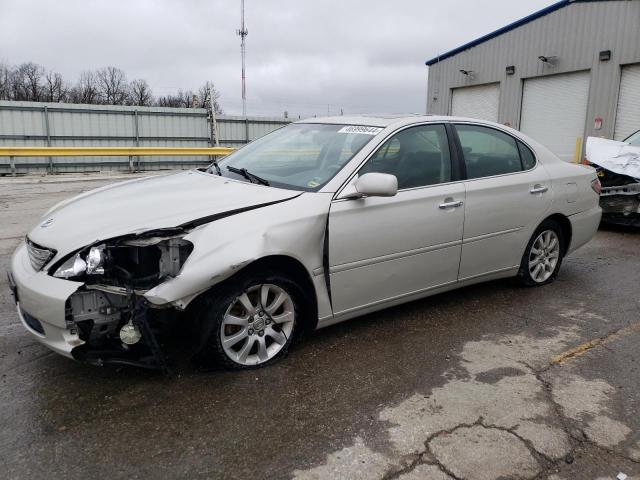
point(488, 152)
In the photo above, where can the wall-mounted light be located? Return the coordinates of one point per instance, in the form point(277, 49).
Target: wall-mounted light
point(468, 73)
point(605, 55)
point(511, 69)
point(549, 60)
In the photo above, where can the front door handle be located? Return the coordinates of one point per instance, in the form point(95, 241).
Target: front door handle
point(450, 203)
point(537, 188)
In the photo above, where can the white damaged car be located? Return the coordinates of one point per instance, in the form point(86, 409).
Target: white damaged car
point(618, 167)
point(318, 222)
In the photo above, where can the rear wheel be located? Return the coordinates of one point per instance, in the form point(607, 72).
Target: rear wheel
point(251, 322)
point(543, 256)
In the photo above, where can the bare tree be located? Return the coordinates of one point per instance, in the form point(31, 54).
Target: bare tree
point(203, 97)
point(55, 89)
point(140, 93)
point(172, 101)
point(86, 90)
point(16, 86)
point(182, 99)
point(26, 82)
point(112, 86)
point(29, 82)
point(185, 97)
point(32, 74)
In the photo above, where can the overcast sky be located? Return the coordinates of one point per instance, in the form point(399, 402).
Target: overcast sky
point(305, 57)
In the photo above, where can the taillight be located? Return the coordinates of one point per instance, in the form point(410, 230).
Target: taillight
point(596, 186)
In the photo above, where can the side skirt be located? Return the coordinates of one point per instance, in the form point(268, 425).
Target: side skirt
point(347, 315)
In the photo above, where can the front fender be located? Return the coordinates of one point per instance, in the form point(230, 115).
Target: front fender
point(295, 229)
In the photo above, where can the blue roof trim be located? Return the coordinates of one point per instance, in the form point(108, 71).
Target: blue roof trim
point(500, 31)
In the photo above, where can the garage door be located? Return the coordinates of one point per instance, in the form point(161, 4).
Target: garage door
point(628, 113)
point(480, 101)
point(554, 110)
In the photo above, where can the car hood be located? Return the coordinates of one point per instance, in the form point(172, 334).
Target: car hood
point(618, 157)
point(148, 203)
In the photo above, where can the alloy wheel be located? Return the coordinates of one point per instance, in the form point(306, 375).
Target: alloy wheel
point(257, 324)
point(544, 256)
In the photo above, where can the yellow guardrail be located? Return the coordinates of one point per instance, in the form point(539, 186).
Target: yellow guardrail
point(131, 152)
point(110, 151)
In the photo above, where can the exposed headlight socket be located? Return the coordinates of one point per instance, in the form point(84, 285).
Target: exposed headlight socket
point(91, 264)
point(95, 260)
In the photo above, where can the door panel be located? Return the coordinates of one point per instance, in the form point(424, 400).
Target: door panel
point(506, 199)
point(382, 248)
point(500, 215)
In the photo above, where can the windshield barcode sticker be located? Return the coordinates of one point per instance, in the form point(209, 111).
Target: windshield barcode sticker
point(360, 129)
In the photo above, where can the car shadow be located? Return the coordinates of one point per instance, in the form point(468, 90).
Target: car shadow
point(614, 227)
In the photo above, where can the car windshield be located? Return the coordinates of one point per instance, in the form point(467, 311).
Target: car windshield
point(301, 156)
point(634, 139)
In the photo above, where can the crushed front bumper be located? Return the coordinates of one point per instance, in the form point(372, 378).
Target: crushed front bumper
point(621, 204)
point(41, 301)
point(79, 322)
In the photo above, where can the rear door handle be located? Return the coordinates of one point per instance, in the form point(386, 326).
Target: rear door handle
point(450, 203)
point(538, 189)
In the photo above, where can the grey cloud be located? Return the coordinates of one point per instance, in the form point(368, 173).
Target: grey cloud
point(362, 56)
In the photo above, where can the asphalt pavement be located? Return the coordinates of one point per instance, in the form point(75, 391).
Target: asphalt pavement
point(492, 381)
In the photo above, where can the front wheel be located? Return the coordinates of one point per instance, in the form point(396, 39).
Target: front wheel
point(251, 322)
point(543, 256)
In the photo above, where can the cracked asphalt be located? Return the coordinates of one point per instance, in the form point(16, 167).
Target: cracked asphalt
point(489, 382)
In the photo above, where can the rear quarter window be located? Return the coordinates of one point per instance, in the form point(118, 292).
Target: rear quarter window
point(526, 156)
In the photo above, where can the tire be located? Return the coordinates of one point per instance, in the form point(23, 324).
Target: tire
point(537, 269)
point(239, 332)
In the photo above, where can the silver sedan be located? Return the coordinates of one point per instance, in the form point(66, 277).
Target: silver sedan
point(318, 222)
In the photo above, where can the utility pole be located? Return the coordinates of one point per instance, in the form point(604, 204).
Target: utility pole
point(214, 123)
point(243, 32)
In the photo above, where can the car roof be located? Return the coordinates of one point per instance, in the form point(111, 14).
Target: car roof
point(386, 120)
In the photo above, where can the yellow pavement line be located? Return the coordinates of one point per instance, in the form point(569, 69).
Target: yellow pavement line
point(110, 151)
point(585, 347)
point(576, 351)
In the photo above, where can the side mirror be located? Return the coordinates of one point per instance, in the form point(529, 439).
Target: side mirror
point(372, 185)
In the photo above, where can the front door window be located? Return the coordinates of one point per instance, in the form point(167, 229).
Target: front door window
point(417, 156)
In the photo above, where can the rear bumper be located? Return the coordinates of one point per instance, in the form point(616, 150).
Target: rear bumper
point(584, 226)
point(41, 301)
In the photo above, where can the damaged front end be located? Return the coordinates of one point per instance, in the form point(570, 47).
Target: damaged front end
point(618, 167)
point(109, 312)
point(619, 198)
